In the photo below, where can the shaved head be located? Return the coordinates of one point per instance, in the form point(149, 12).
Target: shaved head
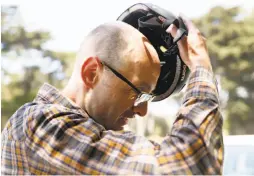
point(109, 42)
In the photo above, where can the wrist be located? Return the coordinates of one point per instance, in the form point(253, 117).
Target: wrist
point(204, 65)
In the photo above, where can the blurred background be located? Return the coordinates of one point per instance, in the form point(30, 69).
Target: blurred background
point(39, 41)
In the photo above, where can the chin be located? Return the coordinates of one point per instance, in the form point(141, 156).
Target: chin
point(119, 128)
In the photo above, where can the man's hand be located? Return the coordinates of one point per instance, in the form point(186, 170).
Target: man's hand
point(193, 49)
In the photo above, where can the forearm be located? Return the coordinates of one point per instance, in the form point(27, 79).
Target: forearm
point(197, 131)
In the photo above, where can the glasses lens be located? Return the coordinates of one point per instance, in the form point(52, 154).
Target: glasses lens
point(143, 98)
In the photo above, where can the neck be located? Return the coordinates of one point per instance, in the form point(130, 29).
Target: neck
point(76, 93)
point(71, 90)
point(70, 93)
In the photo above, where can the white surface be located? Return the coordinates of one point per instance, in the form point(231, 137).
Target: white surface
point(239, 140)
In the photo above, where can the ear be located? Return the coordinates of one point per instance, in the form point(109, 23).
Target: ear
point(90, 71)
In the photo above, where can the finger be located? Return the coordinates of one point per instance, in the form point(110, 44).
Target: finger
point(182, 44)
point(172, 29)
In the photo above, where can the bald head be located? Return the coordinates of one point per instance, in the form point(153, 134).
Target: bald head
point(110, 42)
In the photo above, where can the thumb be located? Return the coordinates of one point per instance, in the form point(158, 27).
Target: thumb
point(172, 29)
point(182, 44)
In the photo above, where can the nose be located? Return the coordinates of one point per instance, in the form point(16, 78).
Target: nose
point(140, 109)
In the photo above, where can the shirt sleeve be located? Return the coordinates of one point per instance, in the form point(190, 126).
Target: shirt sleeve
point(60, 141)
point(195, 144)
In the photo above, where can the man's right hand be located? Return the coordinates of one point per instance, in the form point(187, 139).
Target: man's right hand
point(193, 49)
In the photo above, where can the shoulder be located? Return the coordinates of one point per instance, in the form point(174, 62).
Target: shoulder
point(15, 126)
point(41, 117)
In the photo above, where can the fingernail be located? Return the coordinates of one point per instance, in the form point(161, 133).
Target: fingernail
point(169, 29)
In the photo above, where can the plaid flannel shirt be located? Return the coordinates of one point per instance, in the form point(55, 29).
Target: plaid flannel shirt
point(51, 135)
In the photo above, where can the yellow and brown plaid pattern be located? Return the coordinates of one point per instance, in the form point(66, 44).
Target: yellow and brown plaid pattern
point(53, 136)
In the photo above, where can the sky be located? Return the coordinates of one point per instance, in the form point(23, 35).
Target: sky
point(69, 21)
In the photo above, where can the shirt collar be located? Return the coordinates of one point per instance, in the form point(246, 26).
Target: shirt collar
point(52, 95)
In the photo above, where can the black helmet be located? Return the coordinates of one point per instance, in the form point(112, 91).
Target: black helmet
point(153, 21)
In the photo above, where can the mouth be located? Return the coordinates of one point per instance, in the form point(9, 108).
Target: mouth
point(124, 120)
point(124, 117)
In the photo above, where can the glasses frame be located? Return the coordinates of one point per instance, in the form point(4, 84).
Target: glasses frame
point(142, 96)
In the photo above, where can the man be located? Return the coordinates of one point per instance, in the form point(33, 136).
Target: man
point(79, 130)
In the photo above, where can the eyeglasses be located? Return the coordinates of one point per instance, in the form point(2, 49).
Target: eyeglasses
point(142, 96)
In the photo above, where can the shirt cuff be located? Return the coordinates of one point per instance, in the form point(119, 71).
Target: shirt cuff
point(202, 84)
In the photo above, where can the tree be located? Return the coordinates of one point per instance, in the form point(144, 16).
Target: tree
point(230, 39)
point(33, 64)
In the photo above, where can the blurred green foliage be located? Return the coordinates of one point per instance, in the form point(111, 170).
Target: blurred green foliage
point(21, 87)
point(230, 39)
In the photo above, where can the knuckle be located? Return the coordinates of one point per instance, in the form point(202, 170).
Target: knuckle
point(198, 32)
